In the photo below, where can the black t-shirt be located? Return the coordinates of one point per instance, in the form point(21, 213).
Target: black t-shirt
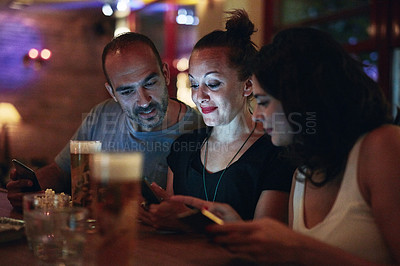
point(259, 168)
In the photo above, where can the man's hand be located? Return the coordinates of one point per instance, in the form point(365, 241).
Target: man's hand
point(50, 176)
point(15, 187)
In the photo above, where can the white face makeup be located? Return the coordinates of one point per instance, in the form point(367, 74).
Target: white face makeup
point(270, 113)
point(216, 90)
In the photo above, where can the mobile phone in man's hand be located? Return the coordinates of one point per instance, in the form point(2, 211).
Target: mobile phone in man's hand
point(24, 172)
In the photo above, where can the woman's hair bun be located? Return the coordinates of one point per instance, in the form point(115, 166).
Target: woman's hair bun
point(238, 25)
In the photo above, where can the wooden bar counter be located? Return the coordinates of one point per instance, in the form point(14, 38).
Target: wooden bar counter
point(154, 247)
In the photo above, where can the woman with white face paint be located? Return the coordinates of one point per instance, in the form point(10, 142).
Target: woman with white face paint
point(231, 161)
point(345, 203)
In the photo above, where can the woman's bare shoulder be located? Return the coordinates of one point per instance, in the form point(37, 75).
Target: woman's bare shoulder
point(385, 138)
point(379, 159)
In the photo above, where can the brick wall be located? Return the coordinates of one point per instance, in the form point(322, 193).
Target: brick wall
point(51, 99)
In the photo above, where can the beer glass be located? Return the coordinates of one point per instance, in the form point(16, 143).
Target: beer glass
point(80, 170)
point(117, 183)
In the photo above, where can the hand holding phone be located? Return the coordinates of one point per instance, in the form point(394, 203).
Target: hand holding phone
point(148, 194)
point(24, 172)
point(199, 219)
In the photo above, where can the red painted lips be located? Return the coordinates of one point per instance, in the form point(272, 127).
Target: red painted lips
point(207, 110)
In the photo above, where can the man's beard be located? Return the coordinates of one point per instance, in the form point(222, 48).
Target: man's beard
point(152, 122)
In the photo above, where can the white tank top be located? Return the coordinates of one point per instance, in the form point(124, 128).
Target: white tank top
point(349, 225)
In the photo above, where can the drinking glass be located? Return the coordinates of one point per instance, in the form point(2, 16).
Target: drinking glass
point(117, 178)
point(80, 170)
point(56, 231)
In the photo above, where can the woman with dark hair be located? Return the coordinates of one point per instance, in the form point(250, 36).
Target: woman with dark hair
point(345, 202)
point(231, 161)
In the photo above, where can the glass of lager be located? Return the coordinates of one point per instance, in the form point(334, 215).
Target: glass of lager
point(80, 170)
point(117, 183)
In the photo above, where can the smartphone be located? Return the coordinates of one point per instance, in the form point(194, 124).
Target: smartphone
point(26, 172)
point(199, 219)
point(148, 194)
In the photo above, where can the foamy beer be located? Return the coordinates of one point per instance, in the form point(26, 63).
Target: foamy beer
point(117, 178)
point(80, 170)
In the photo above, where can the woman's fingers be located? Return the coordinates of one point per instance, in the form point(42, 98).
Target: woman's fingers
point(144, 216)
point(191, 201)
point(159, 191)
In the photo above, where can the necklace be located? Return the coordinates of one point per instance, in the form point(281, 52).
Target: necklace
point(223, 172)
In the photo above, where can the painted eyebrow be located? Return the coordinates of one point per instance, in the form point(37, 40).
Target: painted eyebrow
point(127, 87)
point(205, 75)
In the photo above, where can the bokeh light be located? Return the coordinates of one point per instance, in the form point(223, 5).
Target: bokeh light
point(45, 54)
point(33, 53)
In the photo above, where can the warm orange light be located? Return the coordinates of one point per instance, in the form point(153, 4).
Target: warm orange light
point(182, 64)
point(184, 93)
point(33, 53)
point(147, 1)
point(45, 54)
point(186, 2)
point(8, 114)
